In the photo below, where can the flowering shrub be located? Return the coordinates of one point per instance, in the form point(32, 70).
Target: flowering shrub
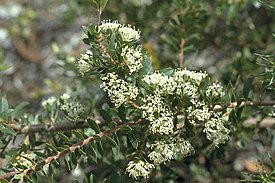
point(156, 97)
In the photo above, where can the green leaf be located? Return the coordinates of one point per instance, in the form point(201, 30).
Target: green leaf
point(63, 137)
point(78, 134)
point(147, 66)
point(51, 147)
point(80, 151)
point(133, 140)
point(4, 105)
point(18, 109)
point(93, 152)
point(93, 125)
point(4, 67)
point(40, 154)
point(111, 141)
point(247, 87)
point(167, 71)
point(105, 115)
point(8, 131)
point(126, 129)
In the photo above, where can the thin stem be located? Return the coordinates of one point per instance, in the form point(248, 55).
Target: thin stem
point(182, 42)
point(244, 104)
point(72, 148)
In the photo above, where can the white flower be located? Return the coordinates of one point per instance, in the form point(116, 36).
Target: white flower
point(48, 102)
point(188, 89)
point(24, 159)
point(162, 125)
point(182, 75)
point(215, 90)
point(216, 131)
point(182, 147)
point(65, 97)
point(72, 108)
point(160, 117)
point(162, 152)
point(161, 83)
point(129, 34)
point(108, 25)
point(139, 168)
point(83, 63)
point(133, 58)
point(272, 114)
point(201, 114)
point(117, 89)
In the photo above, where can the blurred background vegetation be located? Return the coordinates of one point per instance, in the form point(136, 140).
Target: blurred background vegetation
point(233, 40)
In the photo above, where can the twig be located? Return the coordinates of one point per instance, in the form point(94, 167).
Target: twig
point(65, 126)
point(244, 104)
point(182, 42)
point(104, 50)
point(72, 148)
point(48, 127)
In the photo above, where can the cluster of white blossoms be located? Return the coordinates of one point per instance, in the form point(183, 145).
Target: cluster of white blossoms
point(139, 169)
point(83, 63)
point(128, 33)
point(215, 130)
point(215, 90)
point(133, 58)
point(161, 83)
point(49, 102)
point(160, 117)
point(73, 109)
point(182, 75)
point(165, 151)
point(117, 89)
point(24, 159)
point(199, 112)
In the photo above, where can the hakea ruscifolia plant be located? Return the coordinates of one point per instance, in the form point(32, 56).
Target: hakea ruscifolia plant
point(160, 98)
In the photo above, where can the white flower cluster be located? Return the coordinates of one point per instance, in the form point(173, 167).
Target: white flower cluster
point(127, 33)
point(133, 58)
point(24, 159)
point(49, 102)
point(139, 169)
point(108, 25)
point(118, 90)
point(161, 83)
point(160, 117)
point(182, 82)
point(83, 63)
point(215, 130)
point(199, 112)
point(188, 89)
point(182, 75)
point(215, 90)
point(165, 151)
point(72, 108)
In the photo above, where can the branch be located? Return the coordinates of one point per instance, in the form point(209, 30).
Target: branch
point(49, 127)
point(65, 126)
point(244, 104)
point(72, 148)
